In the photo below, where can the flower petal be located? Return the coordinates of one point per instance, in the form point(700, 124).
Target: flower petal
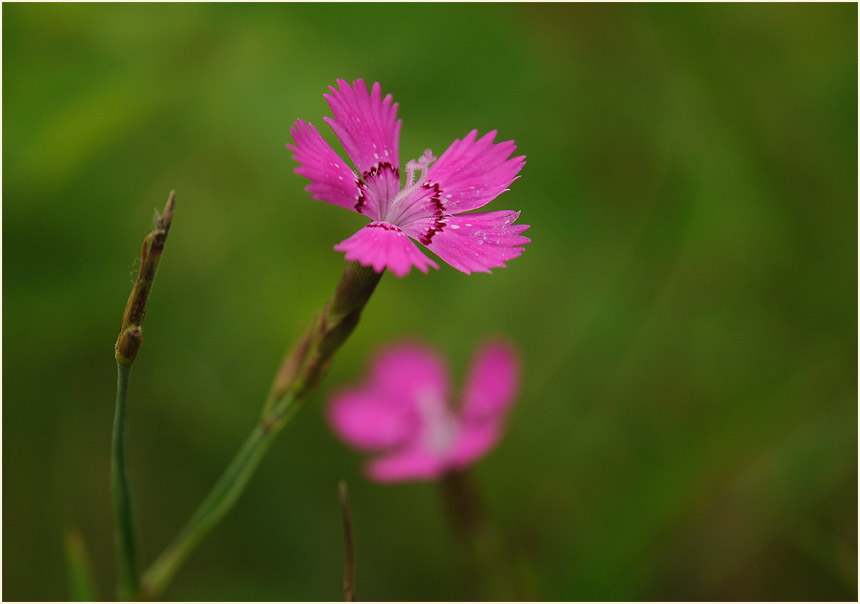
point(418, 212)
point(412, 463)
point(331, 178)
point(369, 419)
point(365, 123)
point(492, 383)
point(471, 173)
point(380, 185)
point(382, 245)
point(472, 242)
point(408, 369)
point(475, 441)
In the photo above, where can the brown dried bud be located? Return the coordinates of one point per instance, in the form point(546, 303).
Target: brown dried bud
point(128, 344)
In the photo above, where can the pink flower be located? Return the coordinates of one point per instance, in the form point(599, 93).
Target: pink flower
point(428, 207)
point(404, 411)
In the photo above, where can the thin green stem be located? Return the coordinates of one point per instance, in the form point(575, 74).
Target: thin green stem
point(219, 501)
point(127, 346)
point(472, 526)
point(126, 550)
point(299, 374)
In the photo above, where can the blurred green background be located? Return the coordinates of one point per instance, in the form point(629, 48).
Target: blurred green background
point(687, 311)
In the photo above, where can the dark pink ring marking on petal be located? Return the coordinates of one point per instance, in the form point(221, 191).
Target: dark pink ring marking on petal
point(362, 196)
point(381, 183)
point(376, 169)
point(438, 212)
point(384, 226)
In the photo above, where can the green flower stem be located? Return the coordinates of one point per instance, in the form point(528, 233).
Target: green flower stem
point(299, 374)
point(124, 529)
point(219, 501)
point(125, 351)
point(472, 526)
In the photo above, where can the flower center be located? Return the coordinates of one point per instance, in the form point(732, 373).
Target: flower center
point(418, 165)
point(415, 171)
point(440, 426)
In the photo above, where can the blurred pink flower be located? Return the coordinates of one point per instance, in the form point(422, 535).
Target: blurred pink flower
point(469, 174)
point(404, 411)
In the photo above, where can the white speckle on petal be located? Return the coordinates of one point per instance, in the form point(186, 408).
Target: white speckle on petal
point(468, 224)
point(448, 196)
point(375, 155)
point(455, 226)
